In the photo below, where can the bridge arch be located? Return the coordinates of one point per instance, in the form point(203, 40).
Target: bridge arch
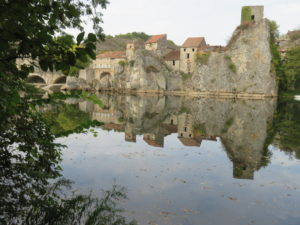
point(104, 74)
point(36, 79)
point(151, 69)
point(60, 80)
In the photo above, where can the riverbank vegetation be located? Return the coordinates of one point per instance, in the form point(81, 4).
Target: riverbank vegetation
point(287, 67)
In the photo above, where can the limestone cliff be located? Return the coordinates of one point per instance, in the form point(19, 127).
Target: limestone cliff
point(244, 68)
point(146, 72)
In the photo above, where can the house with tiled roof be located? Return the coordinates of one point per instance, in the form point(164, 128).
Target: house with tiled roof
point(172, 59)
point(157, 44)
point(188, 51)
point(155, 138)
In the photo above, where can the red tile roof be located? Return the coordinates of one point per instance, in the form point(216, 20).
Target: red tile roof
point(193, 42)
point(152, 143)
point(112, 55)
point(155, 38)
point(173, 55)
point(189, 142)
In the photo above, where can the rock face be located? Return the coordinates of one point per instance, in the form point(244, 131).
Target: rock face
point(244, 68)
point(145, 72)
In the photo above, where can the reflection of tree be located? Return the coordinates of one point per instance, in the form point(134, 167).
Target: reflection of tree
point(288, 127)
point(30, 192)
point(64, 119)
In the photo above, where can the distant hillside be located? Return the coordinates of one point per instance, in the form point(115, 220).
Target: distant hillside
point(118, 42)
point(290, 40)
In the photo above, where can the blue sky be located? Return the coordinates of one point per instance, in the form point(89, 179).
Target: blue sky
point(213, 19)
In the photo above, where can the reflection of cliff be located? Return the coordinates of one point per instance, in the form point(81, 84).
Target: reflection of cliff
point(241, 125)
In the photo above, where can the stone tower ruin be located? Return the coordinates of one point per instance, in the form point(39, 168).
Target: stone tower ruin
point(252, 14)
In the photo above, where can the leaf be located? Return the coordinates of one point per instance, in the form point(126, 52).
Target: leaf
point(80, 37)
point(92, 37)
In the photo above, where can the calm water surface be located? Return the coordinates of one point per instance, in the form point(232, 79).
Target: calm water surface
point(188, 160)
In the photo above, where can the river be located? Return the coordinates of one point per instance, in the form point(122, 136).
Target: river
point(186, 160)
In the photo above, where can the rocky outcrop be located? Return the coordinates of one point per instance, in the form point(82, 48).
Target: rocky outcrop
point(244, 68)
point(145, 72)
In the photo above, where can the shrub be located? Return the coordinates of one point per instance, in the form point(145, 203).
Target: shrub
point(202, 58)
point(185, 76)
point(123, 63)
point(231, 65)
point(246, 14)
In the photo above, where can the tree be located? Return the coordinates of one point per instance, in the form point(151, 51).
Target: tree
point(31, 34)
point(291, 67)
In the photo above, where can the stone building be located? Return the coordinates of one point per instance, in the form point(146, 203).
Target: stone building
point(188, 51)
point(130, 49)
point(130, 135)
point(172, 59)
point(105, 65)
point(252, 14)
point(157, 44)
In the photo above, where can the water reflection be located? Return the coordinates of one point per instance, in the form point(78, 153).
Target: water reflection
point(241, 125)
point(188, 160)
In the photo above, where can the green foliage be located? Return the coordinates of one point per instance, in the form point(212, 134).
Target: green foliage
point(134, 35)
point(66, 119)
point(246, 14)
point(123, 63)
point(202, 58)
point(291, 68)
point(185, 76)
point(200, 128)
point(276, 58)
point(231, 65)
point(286, 127)
point(184, 110)
point(227, 125)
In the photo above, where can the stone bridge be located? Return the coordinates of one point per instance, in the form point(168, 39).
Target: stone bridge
point(46, 78)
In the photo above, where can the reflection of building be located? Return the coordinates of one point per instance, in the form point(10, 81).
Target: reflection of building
point(155, 138)
point(185, 126)
point(130, 136)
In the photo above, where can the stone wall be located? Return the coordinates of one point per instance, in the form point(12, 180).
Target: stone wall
point(245, 68)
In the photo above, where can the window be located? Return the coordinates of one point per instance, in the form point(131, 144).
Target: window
point(252, 17)
point(185, 129)
point(174, 62)
point(171, 122)
point(188, 55)
point(184, 49)
point(193, 49)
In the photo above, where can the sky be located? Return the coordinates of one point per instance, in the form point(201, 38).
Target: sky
point(179, 19)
